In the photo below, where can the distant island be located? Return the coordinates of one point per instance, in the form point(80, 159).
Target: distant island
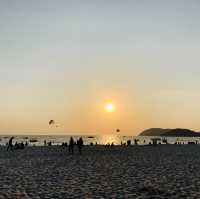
point(170, 132)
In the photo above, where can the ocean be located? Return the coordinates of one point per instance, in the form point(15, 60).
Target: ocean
point(38, 140)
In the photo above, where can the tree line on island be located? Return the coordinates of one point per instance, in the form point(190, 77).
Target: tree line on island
point(179, 132)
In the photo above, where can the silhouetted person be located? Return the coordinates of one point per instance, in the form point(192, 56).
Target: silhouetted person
point(80, 144)
point(136, 141)
point(16, 145)
point(129, 143)
point(19, 145)
point(49, 143)
point(165, 141)
point(22, 145)
point(10, 144)
point(64, 144)
point(71, 145)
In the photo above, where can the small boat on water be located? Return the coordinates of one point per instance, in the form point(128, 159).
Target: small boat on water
point(90, 137)
point(33, 140)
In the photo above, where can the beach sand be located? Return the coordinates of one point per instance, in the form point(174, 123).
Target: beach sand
point(133, 172)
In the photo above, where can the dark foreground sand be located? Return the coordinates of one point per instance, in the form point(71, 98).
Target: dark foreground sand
point(134, 172)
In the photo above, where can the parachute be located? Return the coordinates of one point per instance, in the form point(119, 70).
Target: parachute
point(51, 122)
point(118, 130)
point(54, 124)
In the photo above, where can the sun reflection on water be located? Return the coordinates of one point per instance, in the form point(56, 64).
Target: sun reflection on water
point(109, 139)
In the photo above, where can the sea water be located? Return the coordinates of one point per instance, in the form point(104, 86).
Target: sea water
point(38, 140)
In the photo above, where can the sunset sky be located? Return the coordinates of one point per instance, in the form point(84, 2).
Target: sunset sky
point(64, 60)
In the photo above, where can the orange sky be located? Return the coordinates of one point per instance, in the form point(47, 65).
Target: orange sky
point(64, 60)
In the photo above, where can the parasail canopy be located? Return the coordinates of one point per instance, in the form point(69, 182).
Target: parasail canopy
point(51, 122)
point(118, 130)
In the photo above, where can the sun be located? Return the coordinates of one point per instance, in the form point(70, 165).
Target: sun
point(109, 107)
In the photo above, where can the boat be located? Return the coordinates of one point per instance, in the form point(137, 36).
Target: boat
point(90, 137)
point(33, 140)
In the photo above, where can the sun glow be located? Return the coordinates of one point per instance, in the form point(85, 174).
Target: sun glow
point(109, 107)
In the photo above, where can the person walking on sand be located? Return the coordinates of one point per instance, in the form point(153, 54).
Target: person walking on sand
point(10, 144)
point(71, 145)
point(80, 145)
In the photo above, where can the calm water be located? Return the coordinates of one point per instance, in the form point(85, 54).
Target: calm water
point(103, 139)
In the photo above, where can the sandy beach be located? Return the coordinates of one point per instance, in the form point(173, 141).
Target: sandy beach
point(130, 172)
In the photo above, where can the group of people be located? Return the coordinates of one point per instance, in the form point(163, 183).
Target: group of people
point(72, 143)
point(17, 145)
point(79, 144)
point(47, 143)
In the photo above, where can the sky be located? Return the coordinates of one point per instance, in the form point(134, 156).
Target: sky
point(64, 60)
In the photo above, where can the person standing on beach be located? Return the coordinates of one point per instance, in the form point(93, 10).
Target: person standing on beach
point(80, 144)
point(71, 145)
point(10, 144)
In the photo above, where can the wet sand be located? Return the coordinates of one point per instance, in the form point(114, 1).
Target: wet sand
point(132, 172)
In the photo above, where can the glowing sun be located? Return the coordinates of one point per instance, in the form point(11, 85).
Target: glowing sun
point(109, 107)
